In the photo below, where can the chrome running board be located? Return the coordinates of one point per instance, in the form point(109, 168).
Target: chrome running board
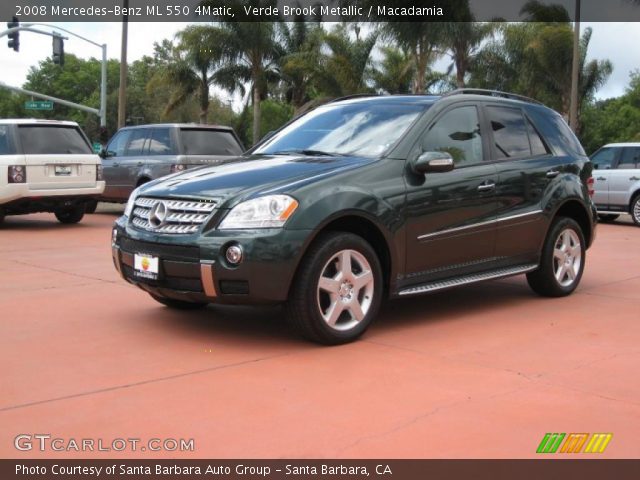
point(477, 277)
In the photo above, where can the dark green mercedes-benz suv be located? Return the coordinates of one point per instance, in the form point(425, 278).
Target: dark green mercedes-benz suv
point(368, 198)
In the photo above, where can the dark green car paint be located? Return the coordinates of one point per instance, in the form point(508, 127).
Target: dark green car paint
point(463, 230)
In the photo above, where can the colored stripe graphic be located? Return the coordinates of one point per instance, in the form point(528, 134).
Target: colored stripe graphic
point(598, 442)
point(574, 442)
point(550, 443)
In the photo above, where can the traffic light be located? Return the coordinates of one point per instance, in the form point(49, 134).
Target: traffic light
point(14, 37)
point(58, 50)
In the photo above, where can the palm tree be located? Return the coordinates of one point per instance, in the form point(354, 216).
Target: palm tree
point(191, 67)
point(395, 72)
point(463, 41)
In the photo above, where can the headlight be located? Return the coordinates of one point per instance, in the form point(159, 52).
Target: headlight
point(130, 204)
point(271, 211)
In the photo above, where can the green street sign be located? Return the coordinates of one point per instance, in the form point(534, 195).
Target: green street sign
point(97, 147)
point(39, 105)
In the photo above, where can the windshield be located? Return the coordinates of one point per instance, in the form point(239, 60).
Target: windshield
point(361, 129)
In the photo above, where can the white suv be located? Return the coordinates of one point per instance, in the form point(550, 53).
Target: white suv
point(617, 181)
point(47, 166)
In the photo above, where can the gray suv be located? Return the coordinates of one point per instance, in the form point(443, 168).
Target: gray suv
point(136, 155)
point(617, 181)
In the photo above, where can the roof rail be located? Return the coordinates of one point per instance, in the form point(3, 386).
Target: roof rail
point(355, 95)
point(491, 93)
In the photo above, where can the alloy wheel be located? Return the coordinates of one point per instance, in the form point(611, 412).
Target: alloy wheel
point(567, 257)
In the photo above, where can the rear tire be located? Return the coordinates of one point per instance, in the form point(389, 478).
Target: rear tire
point(337, 290)
point(178, 304)
point(562, 262)
point(91, 206)
point(608, 217)
point(635, 210)
point(1, 217)
point(70, 215)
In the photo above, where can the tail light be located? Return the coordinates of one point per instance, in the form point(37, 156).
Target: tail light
point(178, 167)
point(590, 188)
point(17, 174)
point(99, 176)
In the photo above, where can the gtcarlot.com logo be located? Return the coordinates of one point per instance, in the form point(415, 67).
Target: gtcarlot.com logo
point(574, 443)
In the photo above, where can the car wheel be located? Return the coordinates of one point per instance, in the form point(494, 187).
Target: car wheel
point(562, 262)
point(71, 214)
point(91, 206)
point(337, 291)
point(635, 210)
point(608, 217)
point(178, 304)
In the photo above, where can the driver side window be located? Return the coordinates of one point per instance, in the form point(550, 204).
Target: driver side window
point(603, 160)
point(457, 132)
point(118, 143)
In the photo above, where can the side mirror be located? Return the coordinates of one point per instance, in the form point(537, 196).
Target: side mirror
point(104, 153)
point(433, 162)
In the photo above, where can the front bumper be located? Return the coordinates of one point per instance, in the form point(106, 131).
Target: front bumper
point(193, 267)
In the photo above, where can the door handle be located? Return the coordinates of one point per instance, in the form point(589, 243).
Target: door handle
point(634, 178)
point(115, 164)
point(486, 187)
point(139, 164)
point(602, 179)
point(552, 173)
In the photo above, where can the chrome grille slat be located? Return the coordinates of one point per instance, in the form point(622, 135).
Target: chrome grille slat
point(182, 216)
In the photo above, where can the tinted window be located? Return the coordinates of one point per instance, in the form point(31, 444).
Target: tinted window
point(538, 146)
point(364, 128)
point(566, 134)
point(510, 134)
point(629, 158)
point(119, 142)
point(209, 142)
point(40, 139)
point(160, 142)
point(6, 146)
point(457, 132)
point(603, 158)
point(136, 144)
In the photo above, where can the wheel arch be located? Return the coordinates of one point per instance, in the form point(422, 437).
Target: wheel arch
point(575, 209)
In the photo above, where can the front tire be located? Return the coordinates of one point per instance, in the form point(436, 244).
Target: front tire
point(562, 262)
point(70, 215)
point(635, 210)
point(91, 206)
point(608, 217)
point(337, 290)
point(178, 304)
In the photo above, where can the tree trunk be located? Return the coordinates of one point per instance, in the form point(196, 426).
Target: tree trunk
point(204, 101)
point(461, 69)
point(256, 112)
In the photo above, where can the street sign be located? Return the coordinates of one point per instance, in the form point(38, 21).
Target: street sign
point(97, 147)
point(39, 105)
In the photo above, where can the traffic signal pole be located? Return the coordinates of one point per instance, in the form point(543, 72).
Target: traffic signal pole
point(102, 113)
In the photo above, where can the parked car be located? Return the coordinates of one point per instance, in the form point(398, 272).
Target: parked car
point(47, 166)
point(369, 198)
point(136, 155)
point(617, 181)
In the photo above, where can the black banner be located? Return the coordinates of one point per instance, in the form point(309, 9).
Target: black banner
point(308, 10)
point(321, 469)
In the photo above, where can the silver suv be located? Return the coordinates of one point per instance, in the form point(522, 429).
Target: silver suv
point(136, 155)
point(617, 181)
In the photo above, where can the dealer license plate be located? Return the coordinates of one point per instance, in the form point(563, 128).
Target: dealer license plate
point(145, 266)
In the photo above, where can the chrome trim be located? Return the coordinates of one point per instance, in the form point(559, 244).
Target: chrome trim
point(466, 280)
point(115, 254)
point(180, 216)
point(475, 225)
point(208, 281)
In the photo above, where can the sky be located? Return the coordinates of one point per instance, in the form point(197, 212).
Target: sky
point(615, 41)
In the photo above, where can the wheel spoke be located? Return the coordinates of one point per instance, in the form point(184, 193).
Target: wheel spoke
point(561, 272)
point(330, 285)
point(333, 312)
point(566, 240)
point(571, 272)
point(345, 263)
point(362, 280)
point(356, 310)
point(576, 251)
point(558, 254)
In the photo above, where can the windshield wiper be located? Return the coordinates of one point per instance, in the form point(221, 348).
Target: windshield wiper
point(308, 152)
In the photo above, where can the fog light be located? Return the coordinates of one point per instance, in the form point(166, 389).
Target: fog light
point(234, 254)
point(17, 174)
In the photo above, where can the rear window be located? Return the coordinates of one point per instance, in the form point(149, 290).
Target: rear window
point(209, 142)
point(6, 146)
point(50, 139)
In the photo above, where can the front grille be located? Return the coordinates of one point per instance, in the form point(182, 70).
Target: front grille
point(170, 216)
point(178, 253)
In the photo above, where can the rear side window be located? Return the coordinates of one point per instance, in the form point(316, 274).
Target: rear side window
point(629, 158)
point(603, 159)
point(565, 134)
point(136, 142)
point(160, 142)
point(6, 146)
point(203, 141)
point(49, 139)
point(510, 135)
